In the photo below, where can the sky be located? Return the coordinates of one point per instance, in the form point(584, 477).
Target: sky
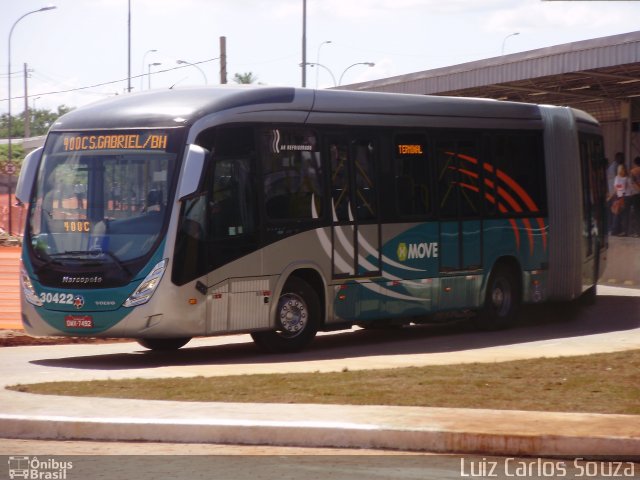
point(78, 53)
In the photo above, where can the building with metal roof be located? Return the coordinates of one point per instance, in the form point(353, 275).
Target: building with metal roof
point(600, 76)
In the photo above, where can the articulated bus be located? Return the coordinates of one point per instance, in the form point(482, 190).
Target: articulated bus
point(281, 212)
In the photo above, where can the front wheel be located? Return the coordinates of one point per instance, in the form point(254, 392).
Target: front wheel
point(163, 344)
point(297, 319)
point(502, 300)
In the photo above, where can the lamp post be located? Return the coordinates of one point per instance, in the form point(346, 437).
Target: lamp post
point(505, 40)
point(304, 44)
point(318, 58)
point(154, 64)
point(43, 9)
point(184, 62)
point(369, 64)
point(326, 68)
point(144, 62)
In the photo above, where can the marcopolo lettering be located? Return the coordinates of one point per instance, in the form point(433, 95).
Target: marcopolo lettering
point(84, 280)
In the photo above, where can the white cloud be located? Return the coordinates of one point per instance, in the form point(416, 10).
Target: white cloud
point(534, 15)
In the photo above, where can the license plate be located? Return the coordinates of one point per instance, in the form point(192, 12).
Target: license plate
point(78, 321)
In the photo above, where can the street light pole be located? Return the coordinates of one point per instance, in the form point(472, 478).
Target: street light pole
point(129, 48)
point(154, 64)
point(10, 152)
point(318, 58)
point(505, 40)
point(326, 68)
point(369, 64)
point(184, 62)
point(144, 62)
point(304, 43)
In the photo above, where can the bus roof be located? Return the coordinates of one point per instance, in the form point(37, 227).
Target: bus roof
point(181, 107)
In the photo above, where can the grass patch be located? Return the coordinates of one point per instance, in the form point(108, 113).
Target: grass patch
point(602, 383)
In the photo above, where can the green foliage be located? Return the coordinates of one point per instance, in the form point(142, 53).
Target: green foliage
point(41, 120)
point(17, 152)
point(245, 78)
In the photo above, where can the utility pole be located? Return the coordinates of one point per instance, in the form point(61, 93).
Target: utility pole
point(304, 43)
point(27, 115)
point(223, 60)
point(129, 49)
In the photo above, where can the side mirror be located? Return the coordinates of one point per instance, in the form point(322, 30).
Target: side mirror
point(28, 175)
point(192, 171)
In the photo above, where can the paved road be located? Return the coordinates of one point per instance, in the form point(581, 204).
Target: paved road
point(223, 462)
point(613, 324)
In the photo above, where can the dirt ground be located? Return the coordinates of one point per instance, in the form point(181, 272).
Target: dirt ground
point(18, 338)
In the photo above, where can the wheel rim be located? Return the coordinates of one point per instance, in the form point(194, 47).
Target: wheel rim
point(501, 297)
point(293, 314)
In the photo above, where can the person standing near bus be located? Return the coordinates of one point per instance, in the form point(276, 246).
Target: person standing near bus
point(612, 171)
point(620, 202)
point(634, 211)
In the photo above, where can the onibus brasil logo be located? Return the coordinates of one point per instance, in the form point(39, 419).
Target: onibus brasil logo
point(38, 469)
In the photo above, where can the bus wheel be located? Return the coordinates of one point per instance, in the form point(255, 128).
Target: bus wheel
point(502, 300)
point(163, 344)
point(297, 319)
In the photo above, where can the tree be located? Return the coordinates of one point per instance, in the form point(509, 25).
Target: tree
point(17, 152)
point(41, 120)
point(245, 78)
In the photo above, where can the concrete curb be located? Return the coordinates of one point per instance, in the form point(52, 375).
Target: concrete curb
point(425, 436)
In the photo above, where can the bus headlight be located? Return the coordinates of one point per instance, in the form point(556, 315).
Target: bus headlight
point(30, 294)
point(146, 288)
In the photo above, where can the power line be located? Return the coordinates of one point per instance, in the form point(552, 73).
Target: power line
point(111, 82)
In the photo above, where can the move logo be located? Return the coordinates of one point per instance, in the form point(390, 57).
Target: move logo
point(414, 251)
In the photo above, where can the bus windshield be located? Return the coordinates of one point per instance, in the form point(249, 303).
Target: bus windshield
point(102, 195)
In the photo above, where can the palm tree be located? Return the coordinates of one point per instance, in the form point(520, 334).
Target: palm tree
point(245, 78)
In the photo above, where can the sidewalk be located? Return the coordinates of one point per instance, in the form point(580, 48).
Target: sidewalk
point(437, 430)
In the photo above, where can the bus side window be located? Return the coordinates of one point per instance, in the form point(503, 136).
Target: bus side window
point(364, 158)
point(292, 174)
point(412, 175)
point(459, 177)
point(232, 199)
point(515, 174)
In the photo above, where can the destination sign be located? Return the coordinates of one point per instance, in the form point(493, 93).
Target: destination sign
point(70, 226)
point(132, 141)
point(404, 149)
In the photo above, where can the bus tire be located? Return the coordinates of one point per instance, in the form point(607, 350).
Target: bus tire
point(502, 300)
point(297, 319)
point(163, 344)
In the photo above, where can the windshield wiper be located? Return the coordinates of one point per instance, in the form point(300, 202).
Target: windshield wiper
point(47, 261)
point(73, 253)
point(92, 253)
point(117, 261)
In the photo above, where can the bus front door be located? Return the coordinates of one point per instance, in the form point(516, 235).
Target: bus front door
point(355, 230)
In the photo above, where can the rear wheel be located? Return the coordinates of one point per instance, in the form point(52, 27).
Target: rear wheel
point(163, 344)
point(297, 319)
point(502, 300)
